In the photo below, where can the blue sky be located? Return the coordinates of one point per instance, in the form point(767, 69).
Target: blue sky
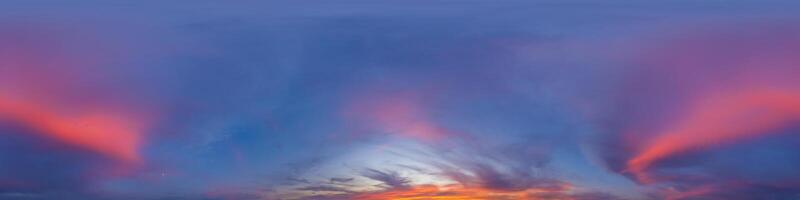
point(399, 100)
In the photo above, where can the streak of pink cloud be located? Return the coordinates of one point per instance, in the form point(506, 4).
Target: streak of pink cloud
point(720, 88)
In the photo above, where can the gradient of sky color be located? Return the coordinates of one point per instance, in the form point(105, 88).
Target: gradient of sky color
point(385, 100)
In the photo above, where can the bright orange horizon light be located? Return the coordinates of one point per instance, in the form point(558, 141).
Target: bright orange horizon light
point(458, 192)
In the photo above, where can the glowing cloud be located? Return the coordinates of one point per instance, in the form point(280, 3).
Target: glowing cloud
point(718, 119)
point(396, 114)
point(103, 131)
point(456, 192)
point(45, 88)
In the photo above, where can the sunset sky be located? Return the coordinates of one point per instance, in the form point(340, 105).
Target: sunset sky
point(399, 100)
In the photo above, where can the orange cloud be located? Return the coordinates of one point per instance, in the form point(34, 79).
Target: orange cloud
point(458, 192)
point(103, 131)
point(719, 119)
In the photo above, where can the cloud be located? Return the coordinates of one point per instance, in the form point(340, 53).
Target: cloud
point(400, 113)
point(340, 180)
point(463, 172)
point(323, 188)
point(105, 132)
point(722, 120)
point(706, 96)
point(70, 117)
point(388, 179)
point(42, 87)
point(497, 108)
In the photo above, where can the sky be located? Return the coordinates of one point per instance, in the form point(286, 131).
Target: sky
point(399, 100)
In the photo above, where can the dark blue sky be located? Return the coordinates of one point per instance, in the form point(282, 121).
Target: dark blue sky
point(381, 100)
